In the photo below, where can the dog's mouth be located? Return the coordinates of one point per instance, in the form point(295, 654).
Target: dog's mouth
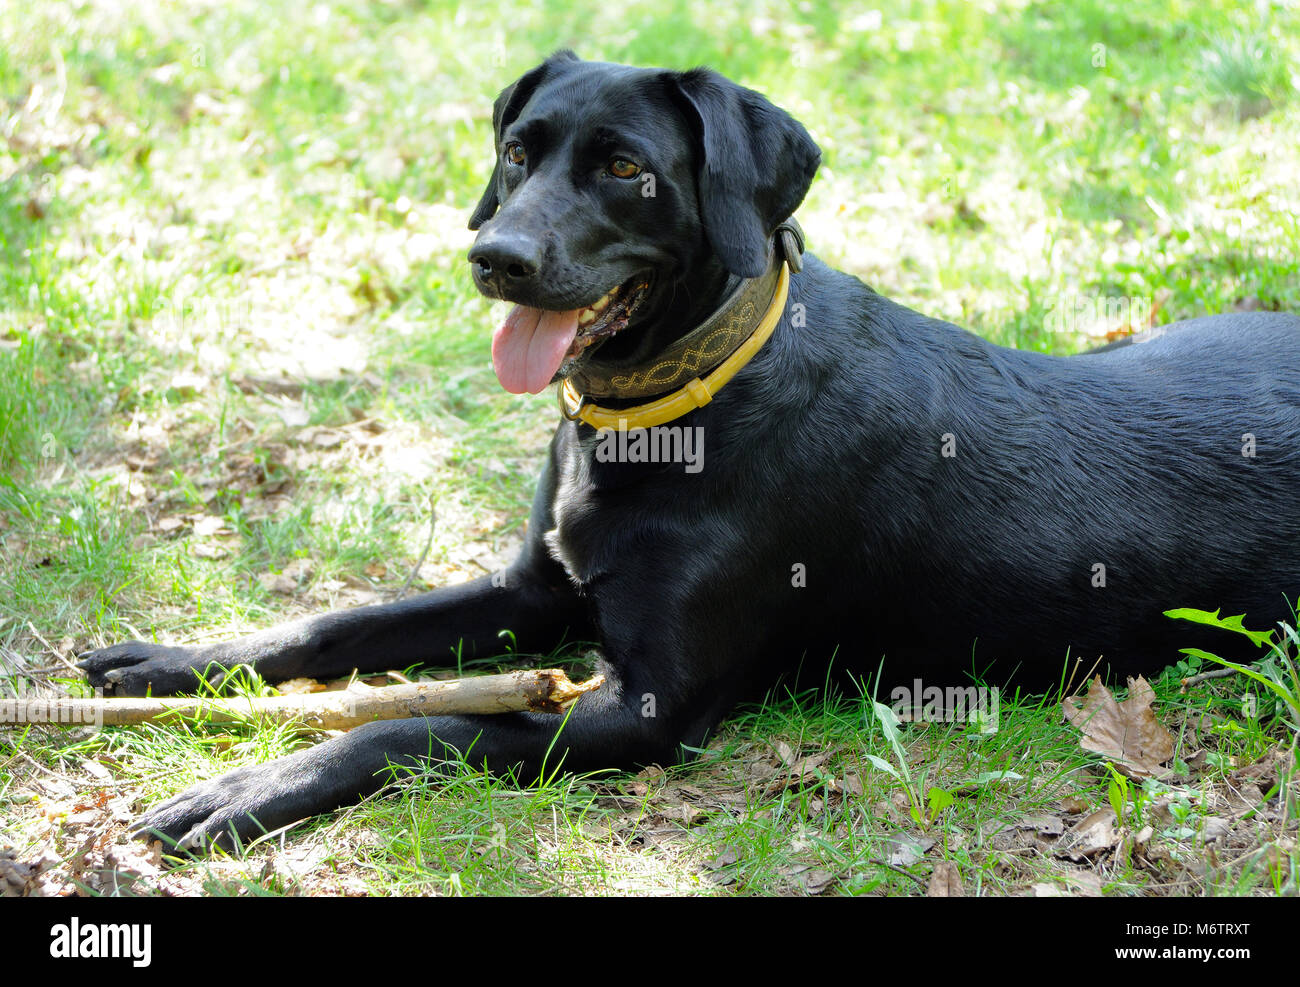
point(533, 344)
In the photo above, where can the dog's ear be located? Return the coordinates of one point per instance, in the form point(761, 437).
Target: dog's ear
point(504, 111)
point(756, 163)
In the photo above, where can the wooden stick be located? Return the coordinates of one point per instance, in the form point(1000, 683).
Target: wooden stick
point(1218, 673)
point(546, 690)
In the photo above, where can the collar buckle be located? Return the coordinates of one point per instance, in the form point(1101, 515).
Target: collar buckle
point(571, 402)
point(789, 237)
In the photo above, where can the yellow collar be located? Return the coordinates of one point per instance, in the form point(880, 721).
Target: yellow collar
point(695, 393)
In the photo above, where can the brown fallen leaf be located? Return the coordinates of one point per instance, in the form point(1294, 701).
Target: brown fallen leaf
point(1126, 733)
point(278, 582)
point(945, 881)
point(804, 770)
point(1086, 884)
point(688, 813)
point(1268, 770)
point(1245, 798)
point(904, 850)
point(1093, 834)
point(1215, 828)
point(726, 858)
point(808, 876)
point(850, 784)
point(1043, 825)
point(815, 880)
point(20, 878)
point(206, 525)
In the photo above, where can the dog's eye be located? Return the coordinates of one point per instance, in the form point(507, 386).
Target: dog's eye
point(515, 153)
point(623, 168)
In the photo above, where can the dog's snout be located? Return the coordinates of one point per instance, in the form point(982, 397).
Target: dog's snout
point(506, 259)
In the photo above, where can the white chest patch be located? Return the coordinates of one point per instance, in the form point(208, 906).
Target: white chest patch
point(555, 544)
point(570, 504)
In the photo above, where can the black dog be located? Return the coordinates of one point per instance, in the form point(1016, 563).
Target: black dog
point(873, 483)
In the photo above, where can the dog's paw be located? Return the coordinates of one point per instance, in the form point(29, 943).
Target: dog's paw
point(139, 669)
point(237, 807)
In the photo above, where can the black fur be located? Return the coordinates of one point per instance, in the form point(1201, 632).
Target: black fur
point(825, 452)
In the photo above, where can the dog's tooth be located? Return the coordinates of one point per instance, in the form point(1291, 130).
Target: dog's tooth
point(600, 305)
point(586, 317)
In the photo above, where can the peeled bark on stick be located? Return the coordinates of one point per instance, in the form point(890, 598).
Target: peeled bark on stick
point(546, 690)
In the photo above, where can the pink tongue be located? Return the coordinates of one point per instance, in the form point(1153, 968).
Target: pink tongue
point(530, 345)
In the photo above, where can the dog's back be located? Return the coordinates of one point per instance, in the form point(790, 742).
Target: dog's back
point(990, 509)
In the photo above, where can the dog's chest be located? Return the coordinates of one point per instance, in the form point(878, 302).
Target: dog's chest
point(599, 511)
point(573, 511)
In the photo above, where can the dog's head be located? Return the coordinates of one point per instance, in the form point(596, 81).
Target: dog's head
point(621, 200)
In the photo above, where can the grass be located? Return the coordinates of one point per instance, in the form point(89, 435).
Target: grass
point(238, 340)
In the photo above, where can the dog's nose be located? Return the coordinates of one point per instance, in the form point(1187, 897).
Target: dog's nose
point(506, 258)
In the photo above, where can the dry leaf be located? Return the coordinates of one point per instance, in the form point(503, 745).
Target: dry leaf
point(815, 881)
point(1268, 770)
point(1085, 883)
point(726, 858)
point(1214, 828)
point(328, 438)
point(96, 770)
point(945, 881)
point(850, 784)
point(903, 850)
point(1126, 733)
point(299, 569)
point(1072, 805)
point(278, 582)
point(1092, 835)
point(1043, 825)
point(804, 770)
point(293, 415)
point(757, 771)
point(188, 384)
point(1248, 797)
point(207, 525)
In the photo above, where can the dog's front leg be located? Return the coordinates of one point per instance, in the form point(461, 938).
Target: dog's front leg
point(607, 728)
point(431, 629)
